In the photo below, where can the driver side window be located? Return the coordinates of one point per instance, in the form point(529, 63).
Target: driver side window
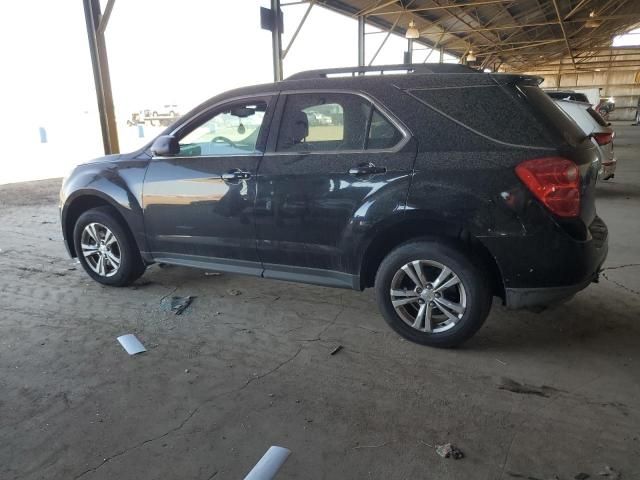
point(233, 130)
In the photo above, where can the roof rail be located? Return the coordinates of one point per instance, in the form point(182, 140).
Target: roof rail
point(382, 69)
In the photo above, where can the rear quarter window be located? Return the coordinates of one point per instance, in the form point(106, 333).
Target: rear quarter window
point(504, 113)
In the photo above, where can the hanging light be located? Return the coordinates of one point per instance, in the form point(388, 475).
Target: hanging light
point(412, 32)
point(471, 57)
point(592, 22)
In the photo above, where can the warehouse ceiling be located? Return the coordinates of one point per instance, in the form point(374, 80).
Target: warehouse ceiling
point(517, 35)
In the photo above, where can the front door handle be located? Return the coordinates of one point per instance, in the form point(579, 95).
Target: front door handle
point(235, 175)
point(366, 169)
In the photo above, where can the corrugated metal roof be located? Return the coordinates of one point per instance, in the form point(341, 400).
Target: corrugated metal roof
point(520, 35)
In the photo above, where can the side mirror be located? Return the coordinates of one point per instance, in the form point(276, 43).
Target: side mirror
point(165, 146)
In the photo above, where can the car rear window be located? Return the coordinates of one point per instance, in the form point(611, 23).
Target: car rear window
point(578, 112)
point(511, 114)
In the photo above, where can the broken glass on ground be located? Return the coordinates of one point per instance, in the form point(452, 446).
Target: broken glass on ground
point(180, 304)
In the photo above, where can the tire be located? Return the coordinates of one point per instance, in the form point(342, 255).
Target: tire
point(124, 248)
point(469, 300)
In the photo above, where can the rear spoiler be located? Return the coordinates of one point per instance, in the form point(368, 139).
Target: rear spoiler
point(506, 78)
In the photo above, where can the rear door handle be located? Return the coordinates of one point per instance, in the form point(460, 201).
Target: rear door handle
point(366, 169)
point(235, 175)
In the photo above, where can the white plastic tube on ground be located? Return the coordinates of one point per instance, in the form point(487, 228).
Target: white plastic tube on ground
point(269, 464)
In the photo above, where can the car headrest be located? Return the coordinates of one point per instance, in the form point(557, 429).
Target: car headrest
point(295, 128)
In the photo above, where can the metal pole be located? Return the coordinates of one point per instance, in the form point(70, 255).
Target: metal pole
point(410, 51)
point(564, 33)
point(104, 20)
point(276, 40)
point(385, 39)
point(100, 64)
point(295, 34)
point(361, 24)
point(441, 55)
point(433, 48)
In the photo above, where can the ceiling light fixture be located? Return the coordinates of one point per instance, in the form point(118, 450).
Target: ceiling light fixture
point(592, 22)
point(471, 57)
point(412, 32)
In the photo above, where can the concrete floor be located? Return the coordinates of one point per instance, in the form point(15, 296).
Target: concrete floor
point(237, 373)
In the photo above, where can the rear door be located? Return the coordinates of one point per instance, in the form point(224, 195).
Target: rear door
point(198, 205)
point(331, 158)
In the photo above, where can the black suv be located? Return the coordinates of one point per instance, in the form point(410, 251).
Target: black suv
point(440, 187)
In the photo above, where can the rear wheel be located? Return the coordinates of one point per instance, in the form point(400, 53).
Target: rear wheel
point(433, 294)
point(106, 249)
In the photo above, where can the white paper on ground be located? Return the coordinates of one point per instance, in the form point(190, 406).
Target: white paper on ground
point(269, 464)
point(131, 344)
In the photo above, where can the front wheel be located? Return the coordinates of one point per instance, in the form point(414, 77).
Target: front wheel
point(432, 293)
point(106, 249)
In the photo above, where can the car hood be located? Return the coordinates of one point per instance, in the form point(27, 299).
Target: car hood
point(106, 158)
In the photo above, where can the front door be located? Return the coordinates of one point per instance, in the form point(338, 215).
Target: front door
point(198, 205)
point(334, 155)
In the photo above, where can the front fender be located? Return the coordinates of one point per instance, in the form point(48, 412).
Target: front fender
point(118, 184)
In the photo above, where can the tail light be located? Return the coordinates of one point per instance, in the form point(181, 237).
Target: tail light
point(604, 138)
point(555, 181)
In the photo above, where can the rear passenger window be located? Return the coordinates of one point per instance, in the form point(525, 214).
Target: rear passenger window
point(333, 122)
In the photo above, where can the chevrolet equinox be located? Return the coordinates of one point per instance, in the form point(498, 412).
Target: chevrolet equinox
point(437, 185)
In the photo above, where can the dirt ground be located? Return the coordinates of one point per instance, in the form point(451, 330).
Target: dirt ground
point(531, 396)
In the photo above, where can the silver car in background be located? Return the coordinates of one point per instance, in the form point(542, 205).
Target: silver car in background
point(593, 125)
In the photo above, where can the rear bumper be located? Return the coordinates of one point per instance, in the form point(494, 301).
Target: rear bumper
point(549, 267)
point(516, 298)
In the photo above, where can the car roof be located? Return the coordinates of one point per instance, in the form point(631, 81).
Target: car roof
point(435, 76)
point(321, 79)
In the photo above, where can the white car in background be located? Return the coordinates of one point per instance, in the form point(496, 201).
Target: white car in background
point(593, 125)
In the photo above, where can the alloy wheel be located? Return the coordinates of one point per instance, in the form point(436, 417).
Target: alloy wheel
point(101, 249)
point(428, 296)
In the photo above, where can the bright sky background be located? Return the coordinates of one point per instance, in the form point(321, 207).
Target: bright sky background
point(160, 52)
point(628, 39)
